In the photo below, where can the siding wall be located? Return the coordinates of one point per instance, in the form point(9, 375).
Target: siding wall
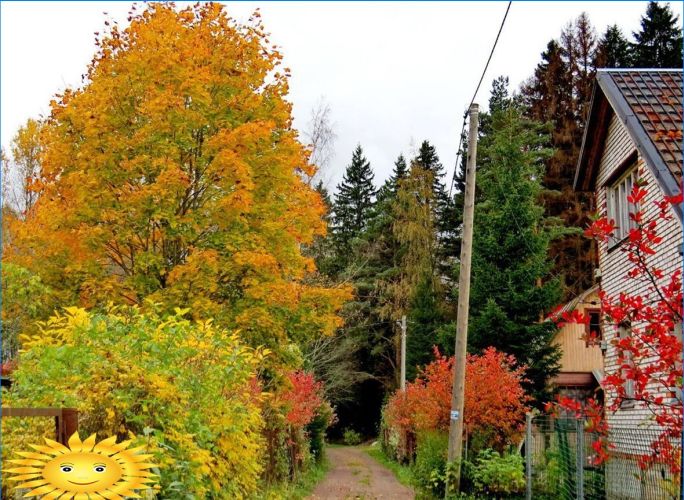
point(577, 356)
point(613, 263)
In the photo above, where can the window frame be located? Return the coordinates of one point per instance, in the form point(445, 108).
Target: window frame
point(617, 205)
point(588, 311)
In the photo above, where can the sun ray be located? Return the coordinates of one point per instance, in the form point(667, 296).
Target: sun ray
point(37, 456)
point(105, 447)
point(56, 446)
point(26, 461)
point(45, 449)
point(111, 495)
point(22, 470)
point(32, 484)
point(54, 495)
point(22, 477)
point(42, 490)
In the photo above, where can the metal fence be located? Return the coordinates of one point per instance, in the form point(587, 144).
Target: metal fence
point(560, 463)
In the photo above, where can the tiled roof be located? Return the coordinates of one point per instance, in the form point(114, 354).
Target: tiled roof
point(655, 98)
point(648, 102)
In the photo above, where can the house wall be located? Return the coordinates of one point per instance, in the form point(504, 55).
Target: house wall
point(613, 263)
point(576, 355)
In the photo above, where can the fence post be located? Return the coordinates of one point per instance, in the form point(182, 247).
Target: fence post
point(528, 455)
point(580, 457)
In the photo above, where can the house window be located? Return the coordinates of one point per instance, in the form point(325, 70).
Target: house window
point(592, 329)
point(625, 331)
point(618, 206)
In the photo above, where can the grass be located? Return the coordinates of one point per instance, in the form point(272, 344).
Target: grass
point(299, 489)
point(403, 473)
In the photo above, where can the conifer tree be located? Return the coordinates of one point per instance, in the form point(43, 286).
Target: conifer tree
point(391, 185)
point(353, 204)
point(658, 44)
point(613, 49)
point(417, 290)
point(558, 95)
point(442, 207)
point(512, 285)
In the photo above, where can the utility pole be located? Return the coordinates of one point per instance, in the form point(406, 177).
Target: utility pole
point(458, 388)
point(403, 352)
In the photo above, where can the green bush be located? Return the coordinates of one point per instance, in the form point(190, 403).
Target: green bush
point(429, 469)
point(316, 432)
point(351, 437)
point(498, 475)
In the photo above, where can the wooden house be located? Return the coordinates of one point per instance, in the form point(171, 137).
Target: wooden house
point(581, 363)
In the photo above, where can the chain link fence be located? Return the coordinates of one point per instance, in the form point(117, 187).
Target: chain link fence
point(560, 463)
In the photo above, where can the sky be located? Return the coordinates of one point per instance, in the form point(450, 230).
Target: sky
point(393, 73)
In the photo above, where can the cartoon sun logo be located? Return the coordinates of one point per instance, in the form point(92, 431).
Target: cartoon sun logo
point(84, 470)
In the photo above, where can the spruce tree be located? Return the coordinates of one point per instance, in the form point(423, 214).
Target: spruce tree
point(659, 42)
point(613, 49)
point(512, 286)
point(390, 186)
point(353, 204)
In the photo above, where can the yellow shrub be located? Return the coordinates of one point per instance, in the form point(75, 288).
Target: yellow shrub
point(182, 388)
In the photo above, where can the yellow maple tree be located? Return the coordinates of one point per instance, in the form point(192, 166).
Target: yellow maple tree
point(174, 176)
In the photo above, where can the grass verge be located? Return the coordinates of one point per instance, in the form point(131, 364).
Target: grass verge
point(402, 472)
point(298, 489)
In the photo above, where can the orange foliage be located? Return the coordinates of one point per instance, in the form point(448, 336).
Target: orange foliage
point(174, 174)
point(495, 402)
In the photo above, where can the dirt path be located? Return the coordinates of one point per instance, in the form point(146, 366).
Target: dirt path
point(355, 475)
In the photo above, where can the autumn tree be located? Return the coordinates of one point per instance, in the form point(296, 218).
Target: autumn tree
point(658, 44)
point(174, 176)
point(418, 291)
point(22, 172)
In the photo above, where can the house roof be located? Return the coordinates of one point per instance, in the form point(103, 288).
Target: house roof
point(574, 303)
point(648, 102)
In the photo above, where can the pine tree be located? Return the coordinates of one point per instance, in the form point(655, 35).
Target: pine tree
point(512, 284)
point(659, 42)
point(613, 49)
point(353, 204)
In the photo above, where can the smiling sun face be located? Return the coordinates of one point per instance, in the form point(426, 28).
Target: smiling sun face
point(89, 470)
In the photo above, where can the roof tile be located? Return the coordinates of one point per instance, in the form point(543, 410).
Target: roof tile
point(655, 98)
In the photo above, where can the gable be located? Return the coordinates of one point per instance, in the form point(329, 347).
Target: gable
point(648, 103)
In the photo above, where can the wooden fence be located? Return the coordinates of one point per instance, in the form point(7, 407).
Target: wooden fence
point(66, 419)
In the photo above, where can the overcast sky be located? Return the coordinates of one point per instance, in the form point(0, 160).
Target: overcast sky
point(393, 73)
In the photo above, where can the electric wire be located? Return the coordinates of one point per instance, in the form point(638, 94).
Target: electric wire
point(477, 89)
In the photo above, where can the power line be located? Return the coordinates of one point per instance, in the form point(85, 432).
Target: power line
point(491, 53)
point(477, 89)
